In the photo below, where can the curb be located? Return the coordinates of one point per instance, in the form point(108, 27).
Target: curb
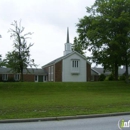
point(63, 117)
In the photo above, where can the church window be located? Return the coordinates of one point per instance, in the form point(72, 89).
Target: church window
point(75, 66)
point(17, 77)
point(75, 63)
point(5, 77)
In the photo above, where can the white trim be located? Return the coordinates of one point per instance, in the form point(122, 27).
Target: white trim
point(36, 78)
point(54, 74)
point(52, 69)
point(95, 71)
point(49, 74)
point(44, 78)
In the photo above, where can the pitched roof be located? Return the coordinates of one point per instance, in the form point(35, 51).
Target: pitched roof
point(101, 71)
point(63, 57)
point(93, 70)
point(30, 71)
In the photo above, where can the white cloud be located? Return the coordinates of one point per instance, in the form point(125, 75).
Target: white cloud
point(48, 19)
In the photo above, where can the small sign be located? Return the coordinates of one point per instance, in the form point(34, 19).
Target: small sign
point(123, 125)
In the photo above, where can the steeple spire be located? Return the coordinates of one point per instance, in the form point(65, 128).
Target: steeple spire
point(67, 35)
point(67, 44)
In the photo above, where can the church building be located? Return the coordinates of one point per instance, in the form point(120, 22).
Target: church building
point(71, 67)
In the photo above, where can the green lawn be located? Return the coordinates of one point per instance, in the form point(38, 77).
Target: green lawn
point(33, 100)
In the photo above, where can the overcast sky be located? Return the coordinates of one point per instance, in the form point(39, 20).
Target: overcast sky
point(48, 19)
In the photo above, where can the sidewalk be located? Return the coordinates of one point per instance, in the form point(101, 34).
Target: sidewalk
point(63, 117)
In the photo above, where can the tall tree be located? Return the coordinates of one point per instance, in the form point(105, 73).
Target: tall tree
point(19, 59)
point(105, 31)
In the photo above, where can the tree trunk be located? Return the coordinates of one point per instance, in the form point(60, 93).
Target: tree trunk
point(21, 69)
point(22, 77)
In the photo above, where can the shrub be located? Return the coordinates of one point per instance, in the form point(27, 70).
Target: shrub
point(11, 80)
point(122, 77)
point(102, 77)
point(111, 77)
point(0, 78)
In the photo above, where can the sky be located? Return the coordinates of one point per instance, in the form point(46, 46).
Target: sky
point(47, 19)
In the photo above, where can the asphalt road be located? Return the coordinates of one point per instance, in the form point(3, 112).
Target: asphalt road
point(102, 123)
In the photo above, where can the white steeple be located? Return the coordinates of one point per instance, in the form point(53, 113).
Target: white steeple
point(68, 48)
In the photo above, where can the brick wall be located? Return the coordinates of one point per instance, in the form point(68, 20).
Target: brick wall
point(10, 77)
point(58, 72)
point(28, 77)
point(88, 69)
point(96, 78)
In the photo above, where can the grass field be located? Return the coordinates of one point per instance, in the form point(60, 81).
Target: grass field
point(33, 100)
